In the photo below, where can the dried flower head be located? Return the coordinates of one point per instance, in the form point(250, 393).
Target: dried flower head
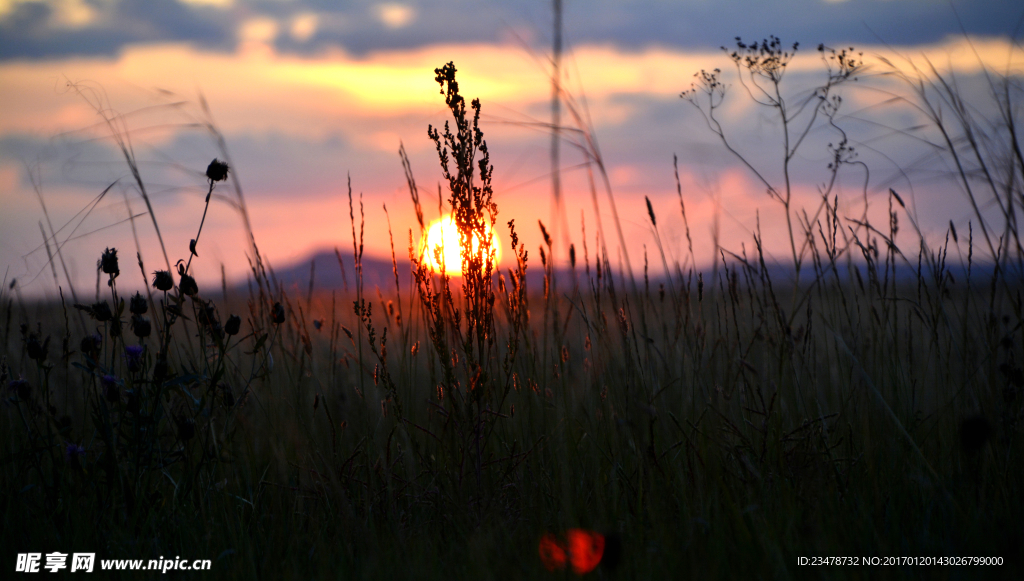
point(108, 262)
point(35, 349)
point(99, 311)
point(233, 325)
point(162, 280)
point(138, 305)
point(277, 313)
point(188, 285)
point(141, 326)
point(217, 171)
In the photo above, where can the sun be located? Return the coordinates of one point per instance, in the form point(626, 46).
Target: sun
point(443, 235)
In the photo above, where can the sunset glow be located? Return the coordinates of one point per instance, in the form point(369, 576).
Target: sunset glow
point(442, 241)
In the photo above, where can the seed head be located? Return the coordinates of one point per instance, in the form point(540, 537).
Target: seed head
point(277, 313)
point(162, 280)
point(233, 325)
point(35, 349)
point(108, 262)
point(188, 285)
point(141, 326)
point(138, 305)
point(217, 171)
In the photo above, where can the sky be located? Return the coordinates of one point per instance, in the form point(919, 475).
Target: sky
point(308, 95)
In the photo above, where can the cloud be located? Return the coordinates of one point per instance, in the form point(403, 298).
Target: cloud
point(260, 29)
point(395, 15)
point(296, 126)
point(37, 29)
point(303, 26)
point(210, 3)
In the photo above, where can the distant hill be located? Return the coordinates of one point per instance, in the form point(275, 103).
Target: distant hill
point(328, 274)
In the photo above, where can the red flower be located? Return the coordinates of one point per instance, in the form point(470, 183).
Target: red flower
point(582, 549)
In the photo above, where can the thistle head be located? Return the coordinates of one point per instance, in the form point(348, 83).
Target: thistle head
point(162, 280)
point(138, 305)
point(108, 262)
point(217, 171)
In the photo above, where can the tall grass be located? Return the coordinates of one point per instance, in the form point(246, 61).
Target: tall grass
point(720, 426)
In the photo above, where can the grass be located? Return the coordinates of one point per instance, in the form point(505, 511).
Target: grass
point(718, 426)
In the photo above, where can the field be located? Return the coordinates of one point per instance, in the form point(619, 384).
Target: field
point(718, 424)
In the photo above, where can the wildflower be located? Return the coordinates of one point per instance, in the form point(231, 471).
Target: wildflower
point(133, 357)
point(108, 262)
point(141, 326)
point(582, 549)
point(277, 313)
point(217, 171)
point(233, 325)
point(138, 305)
point(162, 280)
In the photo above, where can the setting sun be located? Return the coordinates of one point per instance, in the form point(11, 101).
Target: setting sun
point(444, 234)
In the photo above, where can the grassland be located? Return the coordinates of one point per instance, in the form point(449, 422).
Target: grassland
point(719, 424)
